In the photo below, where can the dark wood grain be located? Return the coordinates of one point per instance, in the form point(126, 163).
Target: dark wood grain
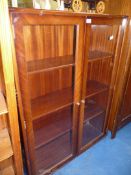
point(124, 114)
point(121, 80)
point(126, 104)
point(116, 117)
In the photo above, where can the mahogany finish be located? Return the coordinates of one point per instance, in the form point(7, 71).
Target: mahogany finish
point(126, 104)
point(65, 81)
point(49, 60)
point(102, 56)
point(120, 107)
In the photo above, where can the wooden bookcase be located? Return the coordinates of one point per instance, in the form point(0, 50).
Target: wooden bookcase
point(120, 113)
point(65, 71)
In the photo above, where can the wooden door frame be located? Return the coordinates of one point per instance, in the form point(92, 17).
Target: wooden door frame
point(101, 21)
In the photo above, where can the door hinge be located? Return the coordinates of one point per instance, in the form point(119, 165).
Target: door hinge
point(24, 124)
point(13, 31)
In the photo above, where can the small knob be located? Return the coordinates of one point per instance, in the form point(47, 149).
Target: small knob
point(110, 37)
point(83, 101)
point(78, 104)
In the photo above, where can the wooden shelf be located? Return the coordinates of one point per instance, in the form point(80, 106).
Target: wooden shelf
point(54, 152)
point(5, 145)
point(3, 107)
point(98, 55)
point(52, 126)
point(50, 63)
point(95, 87)
point(7, 171)
point(92, 109)
point(52, 102)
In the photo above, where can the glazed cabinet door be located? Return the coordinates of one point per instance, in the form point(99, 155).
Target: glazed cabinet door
point(103, 38)
point(49, 59)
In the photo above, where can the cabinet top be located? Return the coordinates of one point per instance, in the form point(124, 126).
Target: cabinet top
point(42, 12)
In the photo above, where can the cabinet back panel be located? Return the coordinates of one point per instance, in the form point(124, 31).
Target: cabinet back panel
point(43, 83)
point(100, 38)
point(46, 41)
point(100, 70)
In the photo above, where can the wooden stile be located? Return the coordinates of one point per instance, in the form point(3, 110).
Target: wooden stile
point(7, 63)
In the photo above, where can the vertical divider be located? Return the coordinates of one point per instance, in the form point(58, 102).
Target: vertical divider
point(83, 84)
point(7, 61)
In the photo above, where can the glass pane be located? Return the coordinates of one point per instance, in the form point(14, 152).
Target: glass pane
point(53, 138)
point(94, 116)
point(50, 59)
point(100, 61)
point(53, 152)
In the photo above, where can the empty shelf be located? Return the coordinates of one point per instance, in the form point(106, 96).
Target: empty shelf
point(49, 63)
point(97, 55)
point(95, 87)
point(5, 145)
point(51, 102)
point(3, 107)
point(52, 126)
